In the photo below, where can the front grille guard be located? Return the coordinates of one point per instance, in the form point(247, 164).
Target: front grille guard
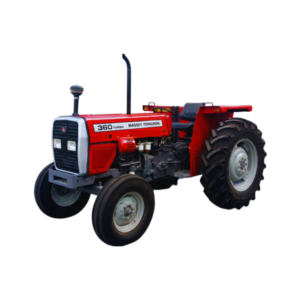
point(84, 183)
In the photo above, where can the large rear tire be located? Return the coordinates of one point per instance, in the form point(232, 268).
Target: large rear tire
point(123, 210)
point(56, 201)
point(232, 164)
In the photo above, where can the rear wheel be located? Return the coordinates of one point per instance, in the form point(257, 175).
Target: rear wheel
point(233, 163)
point(123, 210)
point(56, 201)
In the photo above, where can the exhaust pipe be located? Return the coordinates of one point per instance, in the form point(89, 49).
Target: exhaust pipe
point(76, 91)
point(128, 84)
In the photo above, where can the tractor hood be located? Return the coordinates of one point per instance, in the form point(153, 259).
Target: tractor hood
point(108, 128)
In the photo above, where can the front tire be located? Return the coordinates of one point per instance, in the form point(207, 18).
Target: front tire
point(123, 210)
point(56, 201)
point(233, 163)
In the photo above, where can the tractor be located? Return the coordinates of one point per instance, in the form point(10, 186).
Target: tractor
point(123, 158)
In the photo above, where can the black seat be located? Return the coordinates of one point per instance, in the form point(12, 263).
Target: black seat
point(188, 113)
point(182, 126)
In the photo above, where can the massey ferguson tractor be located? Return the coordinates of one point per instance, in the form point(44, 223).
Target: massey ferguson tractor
point(122, 158)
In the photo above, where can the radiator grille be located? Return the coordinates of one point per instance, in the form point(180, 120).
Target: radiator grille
point(71, 129)
point(65, 159)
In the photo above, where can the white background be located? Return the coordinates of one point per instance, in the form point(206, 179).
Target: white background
point(227, 52)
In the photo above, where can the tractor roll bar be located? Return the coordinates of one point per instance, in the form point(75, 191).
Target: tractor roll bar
point(128, 84)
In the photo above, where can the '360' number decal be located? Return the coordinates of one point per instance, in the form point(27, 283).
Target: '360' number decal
point(104, 127)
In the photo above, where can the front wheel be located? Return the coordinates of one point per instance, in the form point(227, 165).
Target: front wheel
point(123, 210)
point(232, 164)
point(56, 201)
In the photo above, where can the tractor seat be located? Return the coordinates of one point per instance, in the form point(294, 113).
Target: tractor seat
point(188, 113)
point(182, 126)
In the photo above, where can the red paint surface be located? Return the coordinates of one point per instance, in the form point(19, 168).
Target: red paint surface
point(101, 157)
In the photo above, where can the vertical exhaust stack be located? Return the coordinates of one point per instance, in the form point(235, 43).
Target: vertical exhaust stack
point(76, 91)
point(128, 84)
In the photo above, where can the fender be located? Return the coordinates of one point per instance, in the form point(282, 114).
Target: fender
point(208, 118)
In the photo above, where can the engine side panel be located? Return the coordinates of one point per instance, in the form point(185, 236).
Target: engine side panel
point(101, 157)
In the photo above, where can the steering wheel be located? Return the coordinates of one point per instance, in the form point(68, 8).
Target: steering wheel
point(162, 108)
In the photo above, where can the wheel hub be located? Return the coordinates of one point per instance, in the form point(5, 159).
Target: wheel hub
point(128, 212)
point(243, 164)
point(238, 164)
point(125, 210)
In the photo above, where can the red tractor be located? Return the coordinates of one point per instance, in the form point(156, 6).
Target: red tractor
point(122, 158)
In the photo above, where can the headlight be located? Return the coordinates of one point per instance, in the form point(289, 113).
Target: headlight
point(71, 145)
point(57, 143)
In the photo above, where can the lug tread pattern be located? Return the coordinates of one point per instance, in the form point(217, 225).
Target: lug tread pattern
point(213, 133)
point(208, 147)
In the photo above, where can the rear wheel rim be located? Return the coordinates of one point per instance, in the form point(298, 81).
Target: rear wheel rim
point(243, 165)
point(128, 212)
point(63, 196)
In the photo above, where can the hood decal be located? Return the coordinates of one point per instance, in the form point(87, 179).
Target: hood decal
point(126, 125)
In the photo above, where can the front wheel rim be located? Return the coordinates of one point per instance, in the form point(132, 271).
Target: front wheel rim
point(63, 196)
point(243, 165)
point(129, 212)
